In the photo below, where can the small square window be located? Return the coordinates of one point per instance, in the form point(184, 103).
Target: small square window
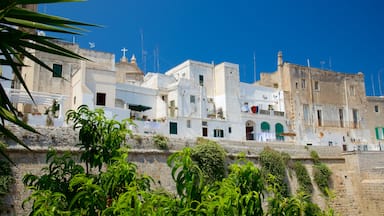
point(201, 80)
point(57, 70)
point(317, 87)
point(218, 133)
point(376, 108)
point(100, 99)
point(192, 99)
point(352, 90)
point(303, 83)
point(204, 123)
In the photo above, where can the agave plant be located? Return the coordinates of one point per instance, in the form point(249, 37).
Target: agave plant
point(18, 27)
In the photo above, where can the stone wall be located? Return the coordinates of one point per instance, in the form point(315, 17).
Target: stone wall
point(358, 178)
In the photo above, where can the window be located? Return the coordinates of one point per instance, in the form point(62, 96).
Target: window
point(172, 108)
point(218, 133)
point(376, 108)
point(341, 117)
point(302, 83)
point(352, 90)
point(279, 130)
point(201, 80)
point(74, 100)
point(297, 85)
point(229, 129)
point(265, 127)
point(172, 127)
point(100, 99)
point(355, 115)
point(317, 87)
point(379, 133)
point(306, 113)
point(205, 131)
point(204, 123)
point(192, 99)
point(188, 123)
point(57, 70)
point(275, 85)
point(319, 118)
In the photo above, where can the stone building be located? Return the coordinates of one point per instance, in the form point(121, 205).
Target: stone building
point(375, 119)
point(322, 107)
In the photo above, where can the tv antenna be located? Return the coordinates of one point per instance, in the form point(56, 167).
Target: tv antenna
point(254, 67)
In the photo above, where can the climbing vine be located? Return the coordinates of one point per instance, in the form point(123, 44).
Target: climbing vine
point(321, 174)
point(303, 178)
point(273, 162)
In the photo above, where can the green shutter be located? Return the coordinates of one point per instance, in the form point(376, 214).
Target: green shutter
point(265, 127)
point(377, 133)
point(279, 129)
point(172, 127)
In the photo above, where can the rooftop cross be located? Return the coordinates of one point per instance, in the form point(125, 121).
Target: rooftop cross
point(124, 50)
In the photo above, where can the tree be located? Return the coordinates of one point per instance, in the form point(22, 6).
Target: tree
point(17, 37)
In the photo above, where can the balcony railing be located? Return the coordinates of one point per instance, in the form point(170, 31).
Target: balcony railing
point(267, 112)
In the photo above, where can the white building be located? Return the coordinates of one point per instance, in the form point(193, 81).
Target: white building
point(193, 99)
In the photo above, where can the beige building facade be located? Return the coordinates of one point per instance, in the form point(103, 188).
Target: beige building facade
point(322, 107)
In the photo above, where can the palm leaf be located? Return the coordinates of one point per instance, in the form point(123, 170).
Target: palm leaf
point(17, 37)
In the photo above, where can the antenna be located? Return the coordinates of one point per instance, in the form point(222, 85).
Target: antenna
point(254, 67)
point(143, 52)
point(378, 74)
point(322, 64)
point(373, 85)
point(330, 63)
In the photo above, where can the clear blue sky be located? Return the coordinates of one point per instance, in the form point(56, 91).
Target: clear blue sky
point(346, 35)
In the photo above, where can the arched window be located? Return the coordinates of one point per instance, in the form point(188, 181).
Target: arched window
point(265, 127)
point(279, 129)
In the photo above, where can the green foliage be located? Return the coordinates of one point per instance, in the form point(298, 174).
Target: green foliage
point(322, 175)
point(210, 157)
point(160, 141)
point(273, 162)
point(65, 188)
point(17, 40)
point(187, 176)
point(303, 178)
point(315, 157)
point(6, 177)
point(100, 138)
point(55, 177)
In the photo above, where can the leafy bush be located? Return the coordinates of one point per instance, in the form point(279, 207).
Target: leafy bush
point(322, 175)
point(315, 157)
point(160, 141)
point(210, 158)
point(272, 162)
point(303, 178)
point(6, 177)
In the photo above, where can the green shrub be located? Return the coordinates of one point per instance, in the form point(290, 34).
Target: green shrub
point(272, 162)
point(160, 141)
point(6, 177)
point(303, 178)
point(315, 157)
point(322, 175)
point(210, 157)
